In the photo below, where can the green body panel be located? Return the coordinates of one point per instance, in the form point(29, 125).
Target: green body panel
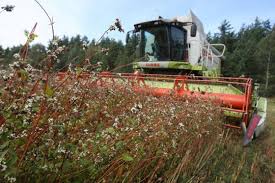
point(211, 88)
point(232, 114)
point(185, 66)
point(212, 73)
point(180, 65)
point(261, 105)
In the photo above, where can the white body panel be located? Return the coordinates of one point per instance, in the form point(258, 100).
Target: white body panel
point(200, 51)
point(262, 112)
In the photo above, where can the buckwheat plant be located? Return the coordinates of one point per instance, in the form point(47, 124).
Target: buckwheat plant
point(82, 127)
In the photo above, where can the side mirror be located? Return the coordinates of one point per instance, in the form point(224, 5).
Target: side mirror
point(193, 32)
point(128, 36)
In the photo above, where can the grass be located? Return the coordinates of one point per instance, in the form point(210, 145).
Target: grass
point(270, 141)
point(255, 163)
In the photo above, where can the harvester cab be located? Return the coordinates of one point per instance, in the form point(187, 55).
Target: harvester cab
point(176, 46)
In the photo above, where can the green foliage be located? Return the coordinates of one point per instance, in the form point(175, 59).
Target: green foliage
point(113, 54)
point(248, 51)
point(127, 157)
point(7, 56)
point(266, 55)
point(37, 53)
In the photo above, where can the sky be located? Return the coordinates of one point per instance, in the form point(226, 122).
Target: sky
point(92, 17)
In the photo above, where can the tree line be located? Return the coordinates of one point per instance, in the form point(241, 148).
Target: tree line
point(250, 53)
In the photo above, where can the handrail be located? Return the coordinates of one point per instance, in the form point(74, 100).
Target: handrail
point(210, 49)
point(215, 50)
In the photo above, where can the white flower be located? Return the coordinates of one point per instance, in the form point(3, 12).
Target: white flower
point(37, 98)
point(139, 105)
point(3, 73)
point(115, 125)
point(70, 67)
point(84, 45)
point(136, 108)
point(45, 167)
point(75, 110)
point(29, 68)
point(74, 98)
point(55, 42)
point(4, 167)
point(5, 77)
point(61, 150)
point(59, 50)
point(11, 179)
point(11, 75)
point(14, 65)
point(16, 56)
point(50, 120)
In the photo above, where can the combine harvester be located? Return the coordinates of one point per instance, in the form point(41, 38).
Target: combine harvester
point(174, 57)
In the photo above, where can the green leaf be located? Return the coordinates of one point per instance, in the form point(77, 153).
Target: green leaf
point(49, 91)
point(20, 142)
point(119, 145)
point(2, 155)
point(32, 37)
point(67, 165)
point(13, 158)
point(26, 33)
point(78, 70)
point(127, 157)
point(24, 75)
point(110, 130)
point(4, 145)
point(71, 147)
